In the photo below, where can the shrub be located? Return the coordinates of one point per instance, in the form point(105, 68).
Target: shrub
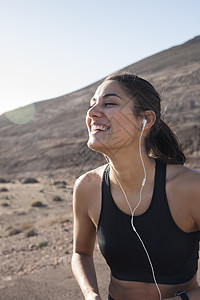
point(41, 244)
point(63, 220)
point(57, 199)
point(25, 226)
point(29, 180)
point(30, 232)
point(59, 220)
point(3, 189)
point(60, 183)
point(14, 231)
point(8, 228)
point(3, 180)
point(4, 204)
point(37, 203)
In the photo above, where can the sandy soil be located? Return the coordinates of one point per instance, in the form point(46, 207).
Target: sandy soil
point(36, 243)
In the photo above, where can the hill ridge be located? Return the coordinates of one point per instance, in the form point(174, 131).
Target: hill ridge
point(55, 139)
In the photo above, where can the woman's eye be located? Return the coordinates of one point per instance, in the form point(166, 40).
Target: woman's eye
point(110, 104)
point(105, 104)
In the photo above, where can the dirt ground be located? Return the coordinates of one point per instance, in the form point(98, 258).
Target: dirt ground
point(51, 283)
point(36, 242)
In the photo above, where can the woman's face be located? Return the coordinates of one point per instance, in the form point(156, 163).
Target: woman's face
point(111, 123)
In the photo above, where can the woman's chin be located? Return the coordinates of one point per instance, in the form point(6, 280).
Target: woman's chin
point(93, 145)
point(96, 145)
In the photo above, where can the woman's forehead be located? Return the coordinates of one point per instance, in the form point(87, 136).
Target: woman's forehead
point(109, 87)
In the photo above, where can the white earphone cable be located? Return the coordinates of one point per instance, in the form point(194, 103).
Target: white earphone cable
point(133, 211)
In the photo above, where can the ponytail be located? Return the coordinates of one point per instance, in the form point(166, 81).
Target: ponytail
point(163, 144)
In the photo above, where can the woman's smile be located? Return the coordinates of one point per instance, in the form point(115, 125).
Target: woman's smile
point(98, 128)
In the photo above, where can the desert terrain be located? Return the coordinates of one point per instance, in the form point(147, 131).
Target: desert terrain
point(36, 241)
point(42, 152)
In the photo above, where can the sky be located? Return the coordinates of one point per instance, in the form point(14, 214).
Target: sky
point(50, 48)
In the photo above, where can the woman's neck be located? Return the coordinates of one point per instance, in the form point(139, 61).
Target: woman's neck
point(129, 170)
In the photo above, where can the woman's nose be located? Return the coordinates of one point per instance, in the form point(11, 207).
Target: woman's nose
point(95, 111)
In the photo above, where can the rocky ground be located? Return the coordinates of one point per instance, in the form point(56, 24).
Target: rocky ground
point(36, 242)
point(35, 226)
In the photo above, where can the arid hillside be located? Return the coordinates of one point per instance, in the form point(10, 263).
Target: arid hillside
point(54, 141)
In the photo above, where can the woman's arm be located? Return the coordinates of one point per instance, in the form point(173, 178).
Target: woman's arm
point(190, 195)
point(84, 241)
point(84, 271)
point(194, 201)
point(192, 192)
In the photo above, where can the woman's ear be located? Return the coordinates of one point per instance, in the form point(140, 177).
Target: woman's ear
point(150, 118)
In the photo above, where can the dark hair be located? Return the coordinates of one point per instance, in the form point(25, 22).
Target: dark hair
point(161, 143)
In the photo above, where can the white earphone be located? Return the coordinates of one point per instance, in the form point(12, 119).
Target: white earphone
point(144, 122)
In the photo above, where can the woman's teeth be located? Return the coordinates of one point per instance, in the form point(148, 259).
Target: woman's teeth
point(95, 128)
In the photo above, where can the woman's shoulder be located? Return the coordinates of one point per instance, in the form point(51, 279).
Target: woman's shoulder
point(184, 178)
point(90, 180)
point(87, 190)
point(182, 172)
point(183, 188)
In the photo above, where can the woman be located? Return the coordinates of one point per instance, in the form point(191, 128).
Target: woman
point(143, 205)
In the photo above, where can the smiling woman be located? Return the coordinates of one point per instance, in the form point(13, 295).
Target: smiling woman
point(112, 110)
point(143, 205)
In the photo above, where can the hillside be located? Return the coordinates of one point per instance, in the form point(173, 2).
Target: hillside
point(54, 141)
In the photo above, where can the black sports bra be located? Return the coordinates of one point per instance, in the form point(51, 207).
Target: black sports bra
point(174, 253)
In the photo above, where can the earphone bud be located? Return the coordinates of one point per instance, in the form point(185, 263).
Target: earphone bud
point(144, 122)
